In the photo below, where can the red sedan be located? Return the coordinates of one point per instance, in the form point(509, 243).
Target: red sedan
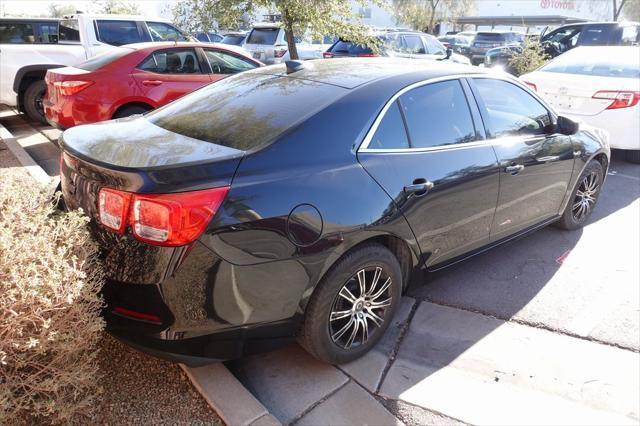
point(134, 79)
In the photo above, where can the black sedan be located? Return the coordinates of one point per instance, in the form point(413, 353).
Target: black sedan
point(299, 201)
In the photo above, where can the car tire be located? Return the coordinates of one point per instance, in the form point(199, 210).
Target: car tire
point(584, 197)
point(633, 156)
point(130, 110)
point(339, 311)
point(32, 101)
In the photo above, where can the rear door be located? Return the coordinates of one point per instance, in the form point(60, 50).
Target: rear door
point(168, 74)
point(536, 163)
point(427, 150)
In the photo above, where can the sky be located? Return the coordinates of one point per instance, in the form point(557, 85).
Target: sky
point(149, 8)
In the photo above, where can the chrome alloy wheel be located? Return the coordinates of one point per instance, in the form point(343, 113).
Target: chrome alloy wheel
point(359, 308)
point(585, 197)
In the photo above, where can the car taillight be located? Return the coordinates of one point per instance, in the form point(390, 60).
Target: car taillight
point(162, 219)
point(367, 55)
point(68, 88)
point(327, 55)
point(621, 99)
point(279, 53)
point(531, 86)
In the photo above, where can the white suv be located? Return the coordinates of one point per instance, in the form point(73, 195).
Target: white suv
point(29, 47)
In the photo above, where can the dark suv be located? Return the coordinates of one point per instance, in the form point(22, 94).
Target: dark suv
point(567, 37)
point(491, 39)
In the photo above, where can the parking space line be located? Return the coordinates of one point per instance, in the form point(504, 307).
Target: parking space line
point(614, 173)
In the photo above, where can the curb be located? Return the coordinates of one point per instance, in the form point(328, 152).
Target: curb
point(24, 158)
point(228, 397)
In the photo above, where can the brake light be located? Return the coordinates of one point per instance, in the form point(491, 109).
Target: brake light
point(327, 55)
point(621, 99)
point(279, 53)
point(161, 219)
point(68, 88)
point(531, 86)
point(367, 55)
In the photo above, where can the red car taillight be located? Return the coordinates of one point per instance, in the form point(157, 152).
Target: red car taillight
point(621, 99)
point(161, 219)
point(327, 55)
point(279, 53)
point(68, 88)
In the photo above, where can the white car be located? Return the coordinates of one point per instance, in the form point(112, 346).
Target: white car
point(599, 86)
point(31, 46)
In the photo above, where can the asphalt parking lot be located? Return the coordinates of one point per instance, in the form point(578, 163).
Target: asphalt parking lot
point(543, 330)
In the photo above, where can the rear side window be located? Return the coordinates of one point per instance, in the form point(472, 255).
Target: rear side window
point(437, 114)
point(16, 33)
point(69, 31)
point(101, 60)
point(595, 35)
point(118, 33)
point(172, 61)
point(391, 133)
point(349, 48)
point(164, 32)
point(225, 63)
point(47, 32)
point(512, 111)
point(245, 111)
point(263, 36)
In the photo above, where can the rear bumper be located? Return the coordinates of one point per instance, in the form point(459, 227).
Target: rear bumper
point(67, 113)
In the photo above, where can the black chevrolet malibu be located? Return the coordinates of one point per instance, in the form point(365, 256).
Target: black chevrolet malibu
point(298, 201)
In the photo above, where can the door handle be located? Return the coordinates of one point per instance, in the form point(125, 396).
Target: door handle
point(515, 169)
point(152, 82)
point(548, 159)
point(419, 187)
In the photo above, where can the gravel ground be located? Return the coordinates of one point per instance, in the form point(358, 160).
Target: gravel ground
point(140, 389)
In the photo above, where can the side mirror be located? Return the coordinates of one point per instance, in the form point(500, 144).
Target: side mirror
point(449, 52)
point(566, 126)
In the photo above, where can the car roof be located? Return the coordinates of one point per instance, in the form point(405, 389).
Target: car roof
point(350, 73)
point(117, 17)
point(30, 19)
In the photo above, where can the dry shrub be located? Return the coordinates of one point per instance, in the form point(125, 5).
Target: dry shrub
point(49, 307)
point(530, 59)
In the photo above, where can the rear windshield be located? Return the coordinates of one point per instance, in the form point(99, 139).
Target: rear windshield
point(349, 48)
point(103, 59)
point(263, 36)
point(489, 37)
point(233, 39)
point(245, 111)
point(623, 63)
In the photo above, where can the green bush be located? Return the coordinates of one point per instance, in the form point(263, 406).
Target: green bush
point(49, 306)
point(531, 58)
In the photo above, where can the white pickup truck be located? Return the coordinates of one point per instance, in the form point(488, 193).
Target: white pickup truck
point(29, 47)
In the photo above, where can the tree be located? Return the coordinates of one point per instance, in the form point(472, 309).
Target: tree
point(298, 17)
point(617, 8)
point(631, 10)
point(423, 14)
point(59, 10)
point(119, 7)
point(530, 58)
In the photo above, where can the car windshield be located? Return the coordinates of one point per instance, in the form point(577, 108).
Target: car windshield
point(245, 111)
point(613, 63)
point(349, 48)
point(263, 36)
point(103, 59)
point(492, 37)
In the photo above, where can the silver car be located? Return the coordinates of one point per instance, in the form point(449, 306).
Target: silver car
point(267, 43)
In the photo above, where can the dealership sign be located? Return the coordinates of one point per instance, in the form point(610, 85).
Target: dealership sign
point(558, 4)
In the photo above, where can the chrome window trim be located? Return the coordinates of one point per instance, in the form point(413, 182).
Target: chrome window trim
point(364, 145)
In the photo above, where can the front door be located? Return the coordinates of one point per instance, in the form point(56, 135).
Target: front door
point(429, 154)
point(535, 162)
point(168, 74)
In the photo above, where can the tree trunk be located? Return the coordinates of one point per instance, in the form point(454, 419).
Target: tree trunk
point(434, 6)
point(617, 11)
point(288, 33)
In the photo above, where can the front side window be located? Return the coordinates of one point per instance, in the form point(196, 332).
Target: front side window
point(391, 133)
point(69, 31)
point(225, 63)
point(164, 32)
point(118, 33)
point(512, 111)
point(172, 61)
point(437, 114)
point(413, 44)
point(434, 47)
point(16, 33)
